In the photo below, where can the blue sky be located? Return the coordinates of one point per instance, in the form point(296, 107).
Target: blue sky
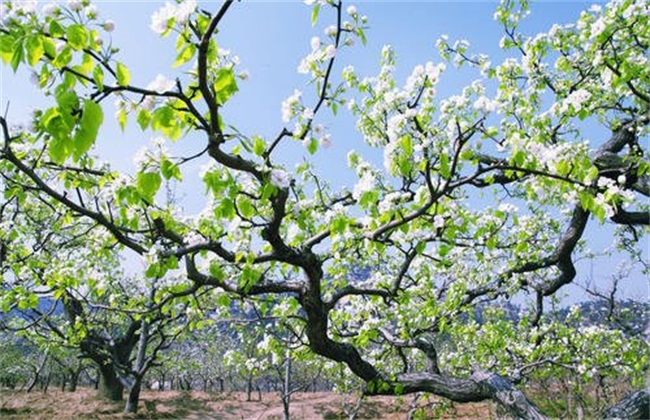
point(271, 37)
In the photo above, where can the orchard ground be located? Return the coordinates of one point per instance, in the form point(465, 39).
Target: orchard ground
point(84, 403)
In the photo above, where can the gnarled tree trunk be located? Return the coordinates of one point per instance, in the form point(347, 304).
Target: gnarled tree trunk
point(110, 386)
point(634, 406)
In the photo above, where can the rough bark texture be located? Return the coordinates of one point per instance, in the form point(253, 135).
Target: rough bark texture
point(134, 398)
point(110, 386)
point(635, 406)
point(480, 386)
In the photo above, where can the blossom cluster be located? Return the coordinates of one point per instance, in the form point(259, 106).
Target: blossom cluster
point(151, 156)
point(164, 18)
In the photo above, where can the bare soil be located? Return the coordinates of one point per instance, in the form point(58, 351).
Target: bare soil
point(85, 404)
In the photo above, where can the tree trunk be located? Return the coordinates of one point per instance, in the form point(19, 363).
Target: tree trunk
point(74, 380)
point(37, 373)
point(286, 388)
point(46, 382)
point(634, 406)
point(134, 398)
point(139, 370)
point(110, 386)
point(249, 388)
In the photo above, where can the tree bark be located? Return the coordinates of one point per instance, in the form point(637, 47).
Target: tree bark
point(110, 386)
point(634, 406)
point(286, 388)
point(249, 388)
point(138, 371)
point(74, 380)
point(134, 397)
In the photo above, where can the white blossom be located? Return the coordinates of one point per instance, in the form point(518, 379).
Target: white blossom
point(352, 10)
point(292, 232)
point(438, 221)
point(184, 11)
point(330, 30)
point(161, 84)
point(280, 178)
point(160, 19)
point(91, 11)
point(297, 132)
point(193, 238)
point(308, 113)
point(24, 6)
point(51, 9)
point(109, 26)
point(595, 8)
point(485, 104)
point(508, 208)
point(325, 141)
point(290, 104)
point(598, 27)
point(75, 5)
point(330, 51)
point(365, 184)
point(577, 98)
point(141, 157)
point(315, 43)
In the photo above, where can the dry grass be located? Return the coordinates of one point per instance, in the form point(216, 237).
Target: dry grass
point(85, 404)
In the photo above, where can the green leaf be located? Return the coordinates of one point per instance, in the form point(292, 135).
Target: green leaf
point(6, 47)
point(245, 207)
point(153, 271)
point(362, 35)
point(407, 145)
point(170, 170)
point(314, 14)
point(225, 85)
point(123, 75)
point(226, 209)
point(77, 36)
point(56, 30)
point(122, 119)
point(143, 119)
point(98, 77)
point(258, 145)
point(185, 55)
point(445, 169)
point(519, 158)
point(60, 145)
point(63, 58)
point(67, 99)
point(91, 119)
point(18, 55)
point(162, 118)
point(249, 278)
point(59, 148)
point(312, 147)
point(35, 49)
point(148, 184)
point(223, 300)
point(29, 302)
point(49, 47)
point(217, 272)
